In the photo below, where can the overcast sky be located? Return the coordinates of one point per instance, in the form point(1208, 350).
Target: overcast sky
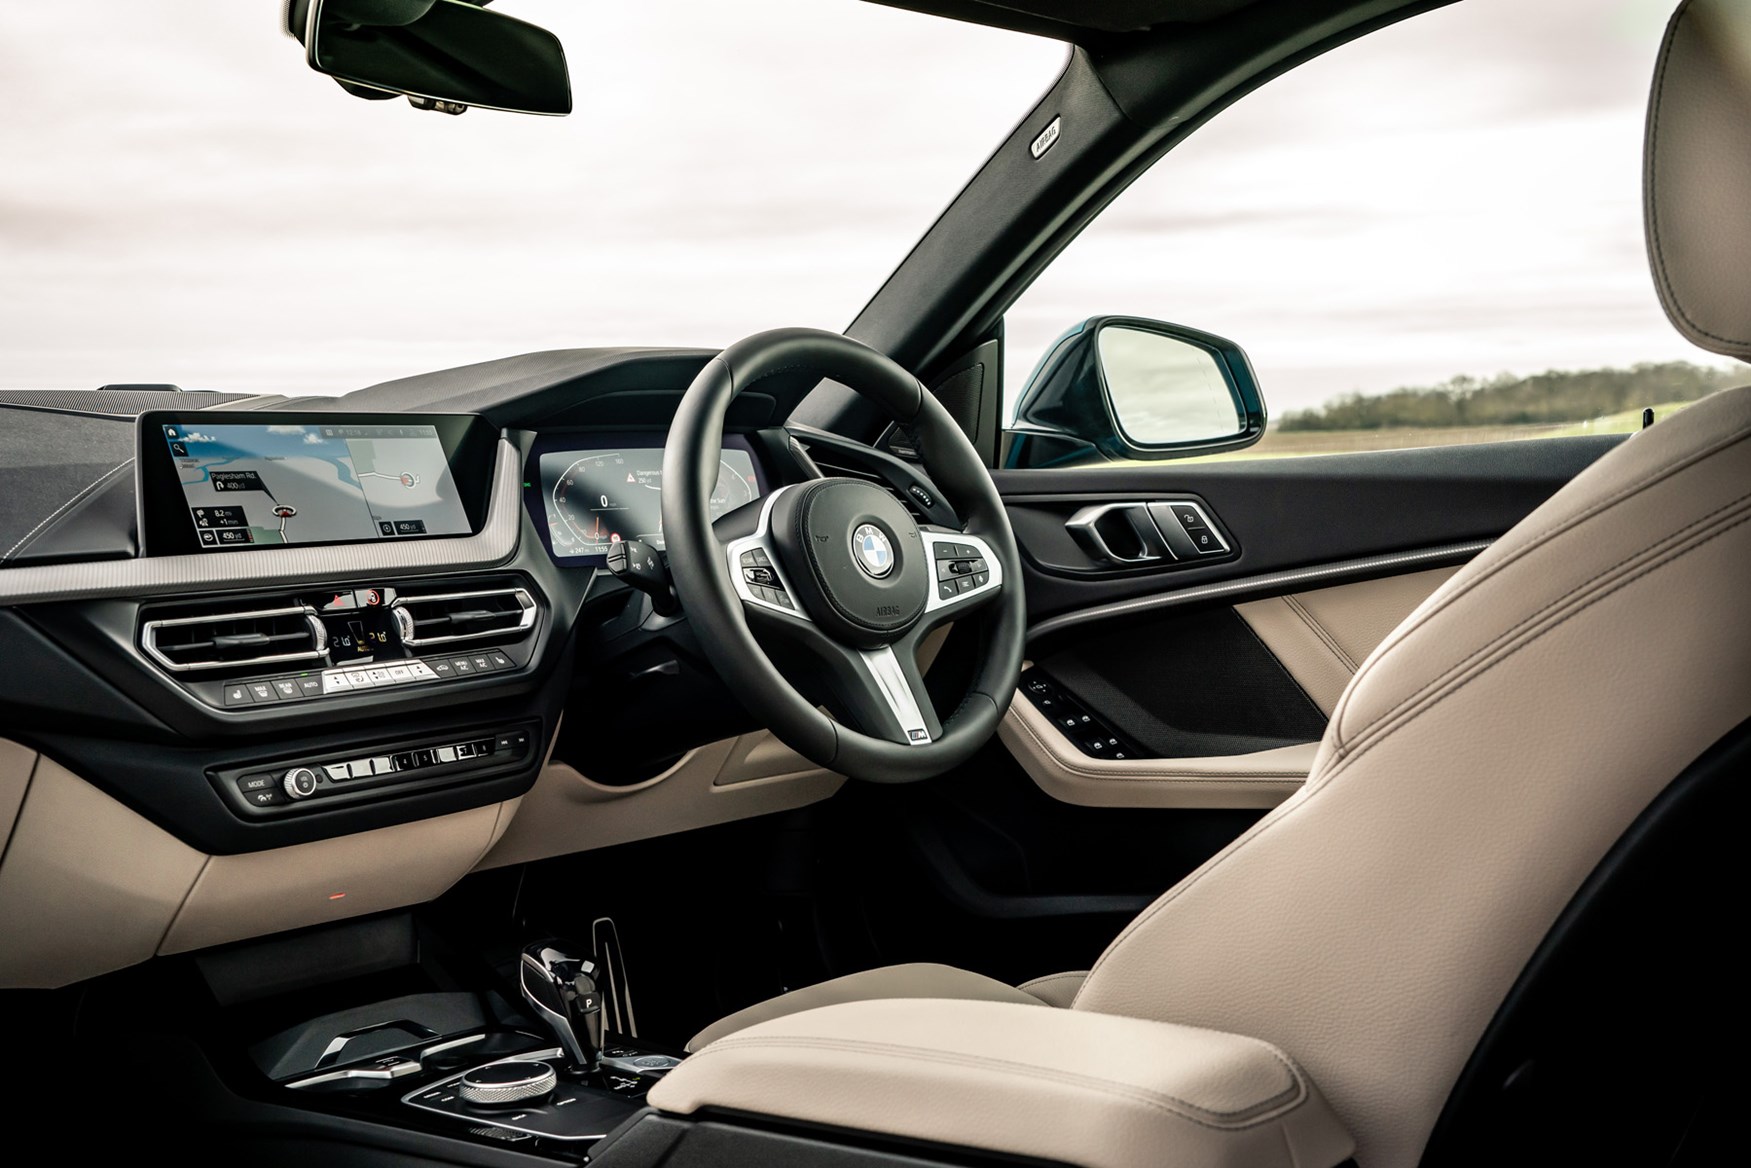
point(184, 201)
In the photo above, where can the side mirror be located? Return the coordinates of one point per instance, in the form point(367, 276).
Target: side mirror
point(1122, 388)
point(443, 54)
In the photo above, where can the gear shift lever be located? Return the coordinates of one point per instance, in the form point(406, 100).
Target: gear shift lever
point(562, 990)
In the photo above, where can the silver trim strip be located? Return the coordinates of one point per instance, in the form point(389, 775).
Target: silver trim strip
point(1083, 524)
point(318, 637)
point(884, 669)
point(147, 576)
point(399, 1069)
point(404, 623)
point(1453, 553)
point(332, 1052)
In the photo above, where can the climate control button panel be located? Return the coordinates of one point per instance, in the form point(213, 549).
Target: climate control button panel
point(328, 780)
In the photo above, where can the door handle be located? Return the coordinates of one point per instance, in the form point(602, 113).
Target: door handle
point(1120, 533)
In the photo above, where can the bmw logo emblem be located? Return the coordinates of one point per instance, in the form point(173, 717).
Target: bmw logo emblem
point(875, 555)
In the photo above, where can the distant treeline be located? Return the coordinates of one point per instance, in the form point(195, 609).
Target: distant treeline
point(1507, 400)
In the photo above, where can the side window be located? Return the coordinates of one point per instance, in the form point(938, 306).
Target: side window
point(1431, 235)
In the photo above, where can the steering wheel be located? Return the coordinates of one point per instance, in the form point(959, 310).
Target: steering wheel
point(839, 576)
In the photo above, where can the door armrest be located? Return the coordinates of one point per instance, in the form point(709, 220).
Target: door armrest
point(1096, 1090)
point(1262, 779)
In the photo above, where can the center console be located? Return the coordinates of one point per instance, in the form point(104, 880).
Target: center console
point(552, 1077)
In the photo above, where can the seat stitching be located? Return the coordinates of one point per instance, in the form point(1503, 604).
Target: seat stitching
point(1294, 1093)
point(1615, 587)
point(1344, 757)
point(1408, 710)
point(1320, 631)
point(1048, 979)
point(1313, 789)
point(1152, 776)
point(1653, 550)
point(1536, 540)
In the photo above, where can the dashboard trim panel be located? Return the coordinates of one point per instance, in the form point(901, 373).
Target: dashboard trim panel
point(492, 547)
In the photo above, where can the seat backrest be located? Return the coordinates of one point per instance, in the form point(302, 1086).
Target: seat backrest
point(1497, 745)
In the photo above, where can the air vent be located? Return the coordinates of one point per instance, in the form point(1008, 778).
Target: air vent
point(220, 640)
point(503, 614)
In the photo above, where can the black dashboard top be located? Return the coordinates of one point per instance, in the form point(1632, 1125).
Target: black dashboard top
point(66, 457)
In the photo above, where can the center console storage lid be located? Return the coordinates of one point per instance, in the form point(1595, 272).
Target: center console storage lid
point(1066, 1085)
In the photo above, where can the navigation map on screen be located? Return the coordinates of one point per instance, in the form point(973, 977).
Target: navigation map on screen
point(260, 485)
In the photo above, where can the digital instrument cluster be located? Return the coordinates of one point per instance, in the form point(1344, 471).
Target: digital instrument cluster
point(595, 497)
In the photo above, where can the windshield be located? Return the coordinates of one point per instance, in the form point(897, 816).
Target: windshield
point(186, 202)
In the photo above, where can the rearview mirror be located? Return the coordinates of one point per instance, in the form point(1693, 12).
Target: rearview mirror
point(448, 52)
point(1122, 388)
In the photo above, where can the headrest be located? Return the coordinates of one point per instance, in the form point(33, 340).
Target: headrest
point(1697, 187)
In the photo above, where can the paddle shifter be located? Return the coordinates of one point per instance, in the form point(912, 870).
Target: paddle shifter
point(562, 990)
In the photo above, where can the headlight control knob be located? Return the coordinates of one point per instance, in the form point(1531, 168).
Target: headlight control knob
point(299, 782)
point(507, 1083)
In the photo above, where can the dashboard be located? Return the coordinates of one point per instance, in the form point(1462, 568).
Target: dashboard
point(245, 635)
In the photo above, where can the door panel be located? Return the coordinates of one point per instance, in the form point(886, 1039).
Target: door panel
point(1283, 514)
point(1206, 681)
point(1321, 637)
point(1214, 707)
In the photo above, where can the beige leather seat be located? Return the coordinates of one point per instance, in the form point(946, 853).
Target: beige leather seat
point(1479, 766)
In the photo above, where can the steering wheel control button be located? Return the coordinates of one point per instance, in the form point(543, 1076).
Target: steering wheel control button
point(507, 1084)
point(300, 783)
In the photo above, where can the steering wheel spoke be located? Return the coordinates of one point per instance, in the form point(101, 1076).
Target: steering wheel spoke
point(884, 692)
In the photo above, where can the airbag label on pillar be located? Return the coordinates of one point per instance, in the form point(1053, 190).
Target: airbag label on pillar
point(1046, 138)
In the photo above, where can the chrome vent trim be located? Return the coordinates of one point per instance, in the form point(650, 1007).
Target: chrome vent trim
point(407, 624)
point(318, 638)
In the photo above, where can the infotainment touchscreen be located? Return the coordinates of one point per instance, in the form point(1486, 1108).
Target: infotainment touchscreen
point(255, 485)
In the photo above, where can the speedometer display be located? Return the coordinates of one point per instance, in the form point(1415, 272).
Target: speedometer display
point(596, 498)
